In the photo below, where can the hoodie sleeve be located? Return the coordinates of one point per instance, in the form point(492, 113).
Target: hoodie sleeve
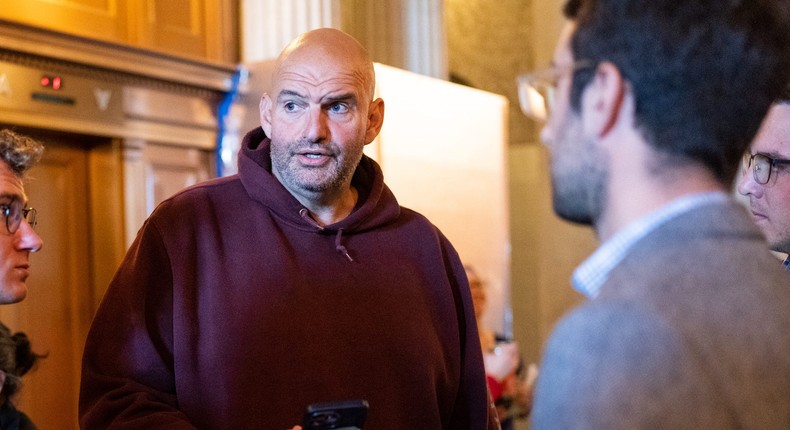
point(127, 369)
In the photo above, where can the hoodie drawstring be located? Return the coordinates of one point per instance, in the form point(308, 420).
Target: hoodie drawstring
point(339, 245)
point(304, 213)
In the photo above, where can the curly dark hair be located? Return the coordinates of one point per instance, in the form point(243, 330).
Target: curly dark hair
point(19, 152)
point(16, 359)
point(703, 72)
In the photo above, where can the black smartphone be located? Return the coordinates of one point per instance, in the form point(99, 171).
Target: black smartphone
point(345, 415)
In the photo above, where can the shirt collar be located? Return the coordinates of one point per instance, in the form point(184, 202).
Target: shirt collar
point(590, 276)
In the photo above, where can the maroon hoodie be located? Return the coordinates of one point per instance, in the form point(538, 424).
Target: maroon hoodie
point(234, 310)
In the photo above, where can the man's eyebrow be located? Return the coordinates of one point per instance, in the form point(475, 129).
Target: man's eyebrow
point(343, 97)
point(289, 93)
point(773, 155)
point(11, 197)
point(340, 97)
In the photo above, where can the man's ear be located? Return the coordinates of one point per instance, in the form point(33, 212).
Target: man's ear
point(265, 107)
point(375, 120)
point(603, 100)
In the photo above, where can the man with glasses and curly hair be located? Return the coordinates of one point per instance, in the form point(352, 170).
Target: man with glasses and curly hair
point(18, 154)
point(649, 107)
point(768, 185)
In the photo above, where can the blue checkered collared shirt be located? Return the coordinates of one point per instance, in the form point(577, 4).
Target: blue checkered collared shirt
point(590, 276)
point(787, 263)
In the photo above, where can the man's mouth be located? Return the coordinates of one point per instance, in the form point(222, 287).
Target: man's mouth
point(758, 216)
point(313, 158)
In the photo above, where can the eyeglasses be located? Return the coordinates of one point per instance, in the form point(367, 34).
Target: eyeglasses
point(14, 212)
point(763, 165)
point(536, 90)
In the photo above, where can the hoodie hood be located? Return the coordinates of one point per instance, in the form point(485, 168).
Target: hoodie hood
point(376, 205)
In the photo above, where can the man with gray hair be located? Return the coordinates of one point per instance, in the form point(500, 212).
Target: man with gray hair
point(768, 185)
point(18, 239)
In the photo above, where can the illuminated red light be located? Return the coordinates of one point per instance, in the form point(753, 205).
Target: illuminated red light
point(54, 82)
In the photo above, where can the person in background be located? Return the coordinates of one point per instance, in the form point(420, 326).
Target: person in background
point(18, 239)
point(16, 359)
point(768, 185)
point(509, 381)
point(651, 105)
point(300, 280)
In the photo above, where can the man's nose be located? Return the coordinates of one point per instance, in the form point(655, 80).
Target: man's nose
point(316, 128)
point(747, 185)
point(29, 240)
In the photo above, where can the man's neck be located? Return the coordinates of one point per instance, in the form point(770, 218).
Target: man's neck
point(331, 209)
point(631, 199)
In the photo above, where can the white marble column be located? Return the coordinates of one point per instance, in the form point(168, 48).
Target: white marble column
point(426, 38)
point(268, 25)
point(408, 34)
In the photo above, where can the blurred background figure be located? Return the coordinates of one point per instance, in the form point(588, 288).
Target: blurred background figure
point(16, 359)
point(509, 380)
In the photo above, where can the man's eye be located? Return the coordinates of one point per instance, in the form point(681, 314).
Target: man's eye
point(338, 108)
point(290, 106)
point(9, 210)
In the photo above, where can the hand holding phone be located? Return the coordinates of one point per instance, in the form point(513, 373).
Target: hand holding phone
point(345, 415)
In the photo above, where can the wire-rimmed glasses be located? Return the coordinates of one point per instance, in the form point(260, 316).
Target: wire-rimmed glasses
point(536, 90)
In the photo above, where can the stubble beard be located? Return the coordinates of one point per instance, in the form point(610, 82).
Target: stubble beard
point(578, 175)
point(781, 243)
point(295, 176)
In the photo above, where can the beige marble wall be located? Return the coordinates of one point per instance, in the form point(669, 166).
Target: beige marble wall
point(489, 44)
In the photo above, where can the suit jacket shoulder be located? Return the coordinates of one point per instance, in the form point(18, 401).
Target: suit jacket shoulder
point(681, 335)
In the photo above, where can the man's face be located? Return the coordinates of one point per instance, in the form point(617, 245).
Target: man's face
point(770, 203)
point(578, 168)
point(14, 248)
point(319, 125)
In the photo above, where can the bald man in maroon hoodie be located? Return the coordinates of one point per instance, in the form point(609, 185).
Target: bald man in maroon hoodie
point(300, 280)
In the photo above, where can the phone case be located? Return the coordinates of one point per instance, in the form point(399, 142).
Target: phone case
point(344, 415)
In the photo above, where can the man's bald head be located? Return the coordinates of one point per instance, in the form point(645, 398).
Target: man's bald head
point(331, 47)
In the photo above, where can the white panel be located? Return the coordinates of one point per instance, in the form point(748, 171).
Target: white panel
point(443, 151)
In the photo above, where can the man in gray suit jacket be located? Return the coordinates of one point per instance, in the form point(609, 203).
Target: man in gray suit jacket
point(649, 106)
point(765, 180)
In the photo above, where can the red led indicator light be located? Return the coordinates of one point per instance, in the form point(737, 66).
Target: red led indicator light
point(54, 82)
